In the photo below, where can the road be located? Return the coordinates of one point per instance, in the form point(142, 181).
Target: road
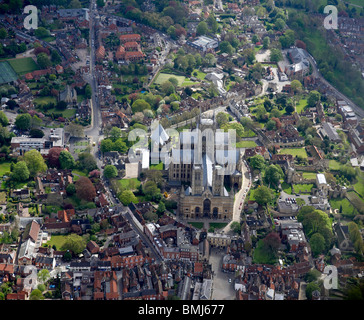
point(240, 196)
point(93, 132)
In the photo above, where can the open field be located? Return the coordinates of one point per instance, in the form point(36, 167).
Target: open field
point(4, 168)
point(163, 77)
point(334, 165)
point(246, 144)
point(7, 73)
point(303, 188)
point(58, 241)
point(45, 100)
point(294, 152)
point(124, 183)
point(23, 65)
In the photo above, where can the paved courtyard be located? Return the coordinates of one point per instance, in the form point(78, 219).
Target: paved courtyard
point(222, 289)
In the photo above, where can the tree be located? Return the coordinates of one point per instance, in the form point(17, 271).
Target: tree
point(275, 55)
point(43, 60)
point(257, 162)
point(202, 28)
point(167, 88)
point(71, 189)
point(35, 162)
point(75, 130)
point(222, 118)
point(226, 47)
point(235, 227)
point(151, 190)
point(161, 208)
point(317, 243)
point(106, 145)
point(36, 133)
point(313, 98)
point(75, 4)
point(3, 119)
point(140, 105)
point(23, 121)
point(127, 197)
point(85, 189)
point(36, 294)
point(43, 275)
point(53, 157)
point(279, 24)
point(74, 243)
point(41, 32)
point(115, 133)
point(266, 43)
point(271, 243)
point(87, 161)
point(262, 195)
point(120, 146)
point(311, 287)
point(20, 171)
point(88, 91)
point(66, 160)
point(110, 171)
point(273, 174)
point(296, 86)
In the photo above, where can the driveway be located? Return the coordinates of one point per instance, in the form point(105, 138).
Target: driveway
point(222, 289)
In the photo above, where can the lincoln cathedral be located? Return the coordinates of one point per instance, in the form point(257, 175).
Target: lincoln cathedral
point(207, 167)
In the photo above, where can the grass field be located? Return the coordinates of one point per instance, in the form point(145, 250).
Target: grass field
point(124, 183)
point(7, 73)
point(303, 188)
point(23, 65)
point(246, 144)
point(334, 165)
point(301, 105)
point(309, 175)
point(197, 225)
point(45, 100)
point(200, 75)
point(218, 225)
point(286, 187)
point(158, 166)
point(294, 152)
point(58, 241)
point(356, 201)
point(345, 205)
point(4, 168)
point(359, 185)
point(68, 113)
point(163, 77)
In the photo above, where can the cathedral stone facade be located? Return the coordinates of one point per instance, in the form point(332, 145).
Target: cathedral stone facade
point(206, 165)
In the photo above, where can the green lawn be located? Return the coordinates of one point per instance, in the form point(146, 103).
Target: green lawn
point(218, 225)
point(286, 187)
point(301, 105)
point(77, 174)
point(197, 225)
point(303, 188)
point(359, 185)
point(334, 165)
point(345, 205)
point(23, 65)
point(4, 168)
point(68, 113)
point(309, 175)
point(246, 144)
point(294, 152)
point(158, 166)
point(200, 75)
point(124, 183)
point(163, 77)
point(58, 241)
point(45, 100)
